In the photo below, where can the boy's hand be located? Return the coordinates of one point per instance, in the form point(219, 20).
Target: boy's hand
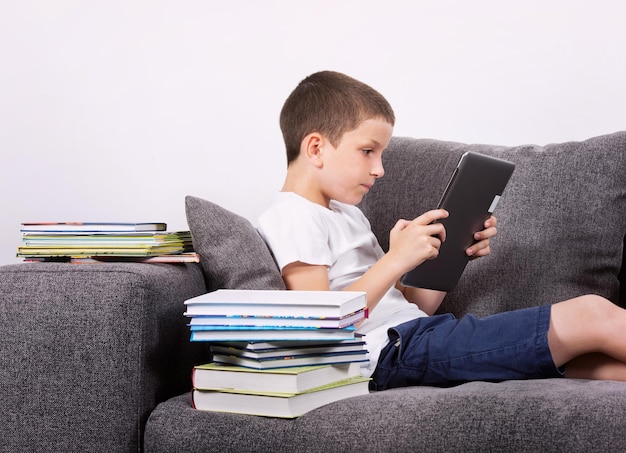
point(482, 248)
point(411, 242)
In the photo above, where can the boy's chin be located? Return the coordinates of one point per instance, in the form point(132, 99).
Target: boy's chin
point(353, 200)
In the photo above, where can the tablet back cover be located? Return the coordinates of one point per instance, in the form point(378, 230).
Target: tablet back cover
point(470, 197)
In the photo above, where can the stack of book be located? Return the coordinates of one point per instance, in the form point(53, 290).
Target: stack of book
point(264, 355)
point(109, 241)
point(262, 340)
point(281, 392)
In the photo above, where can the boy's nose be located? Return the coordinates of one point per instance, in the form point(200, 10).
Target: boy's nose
point(378, 171)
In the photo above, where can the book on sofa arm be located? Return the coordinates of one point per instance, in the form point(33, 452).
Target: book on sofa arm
point(470, 198)
point(66, 245)
point(92, 227)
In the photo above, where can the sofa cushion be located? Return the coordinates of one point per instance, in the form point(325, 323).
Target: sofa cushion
point(561, 220)
point(514, 416)
point(232, 253)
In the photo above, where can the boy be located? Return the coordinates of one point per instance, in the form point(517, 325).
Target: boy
point(335, 130)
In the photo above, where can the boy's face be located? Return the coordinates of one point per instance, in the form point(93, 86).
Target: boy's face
point(351, 168)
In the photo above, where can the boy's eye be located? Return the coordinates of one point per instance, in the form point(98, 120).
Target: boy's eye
point(367, 150)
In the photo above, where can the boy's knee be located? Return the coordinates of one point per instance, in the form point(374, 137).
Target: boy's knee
point(596, 300)
point(592, 301)
point(589, 308)
point(598, 307)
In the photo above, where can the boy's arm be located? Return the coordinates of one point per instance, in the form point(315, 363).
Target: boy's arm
point(375, 282)
point(428, 300)
point(411, 243)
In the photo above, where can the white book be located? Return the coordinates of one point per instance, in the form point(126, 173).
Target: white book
point(322, 304)
point(278, 405)
point(278, 321)
point(269, 334)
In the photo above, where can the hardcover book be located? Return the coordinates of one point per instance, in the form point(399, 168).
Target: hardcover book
point(263, 350)
point(313, 304)
point(186, 257)
point(94, 226)
point(220, 334)
point(269, 346)
point(104, 244)
point(269, 363)
point(278, 321)
point(282, 405)
point(215, 376)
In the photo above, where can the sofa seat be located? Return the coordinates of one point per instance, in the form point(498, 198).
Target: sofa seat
point(513, 416)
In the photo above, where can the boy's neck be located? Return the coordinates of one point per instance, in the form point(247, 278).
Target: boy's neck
point(301, 183)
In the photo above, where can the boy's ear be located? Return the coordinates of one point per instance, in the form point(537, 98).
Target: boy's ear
point(312, 146)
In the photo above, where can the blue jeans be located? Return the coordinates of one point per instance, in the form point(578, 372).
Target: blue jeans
point(443, 351)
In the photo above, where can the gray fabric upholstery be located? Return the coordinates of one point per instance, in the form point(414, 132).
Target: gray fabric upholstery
point(515, 416)
point(561, 220)
point(232, 253)
point(87, 351)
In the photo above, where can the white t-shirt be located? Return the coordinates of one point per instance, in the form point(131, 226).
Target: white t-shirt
point(296, 229)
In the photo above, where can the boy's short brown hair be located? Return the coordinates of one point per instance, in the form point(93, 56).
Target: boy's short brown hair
point(332, 104)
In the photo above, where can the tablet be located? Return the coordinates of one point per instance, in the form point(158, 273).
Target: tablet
point(470, 197)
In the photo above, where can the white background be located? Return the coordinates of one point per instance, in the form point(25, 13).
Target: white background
point(115, 110)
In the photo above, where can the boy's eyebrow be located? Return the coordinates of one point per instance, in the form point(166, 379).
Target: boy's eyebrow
point(373, 141)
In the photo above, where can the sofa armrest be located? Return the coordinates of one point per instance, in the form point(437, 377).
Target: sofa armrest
point(87, 351)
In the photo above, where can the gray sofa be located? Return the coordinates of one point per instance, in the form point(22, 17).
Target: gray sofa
point(97, 357)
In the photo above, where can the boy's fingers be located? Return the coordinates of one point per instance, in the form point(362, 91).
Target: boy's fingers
point(485, 234)
point(431, 216)
point(438, 230)
point(479, 249)
point(401, 224)
point(491, 222)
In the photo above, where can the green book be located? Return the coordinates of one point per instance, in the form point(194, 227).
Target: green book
point(289, 380)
